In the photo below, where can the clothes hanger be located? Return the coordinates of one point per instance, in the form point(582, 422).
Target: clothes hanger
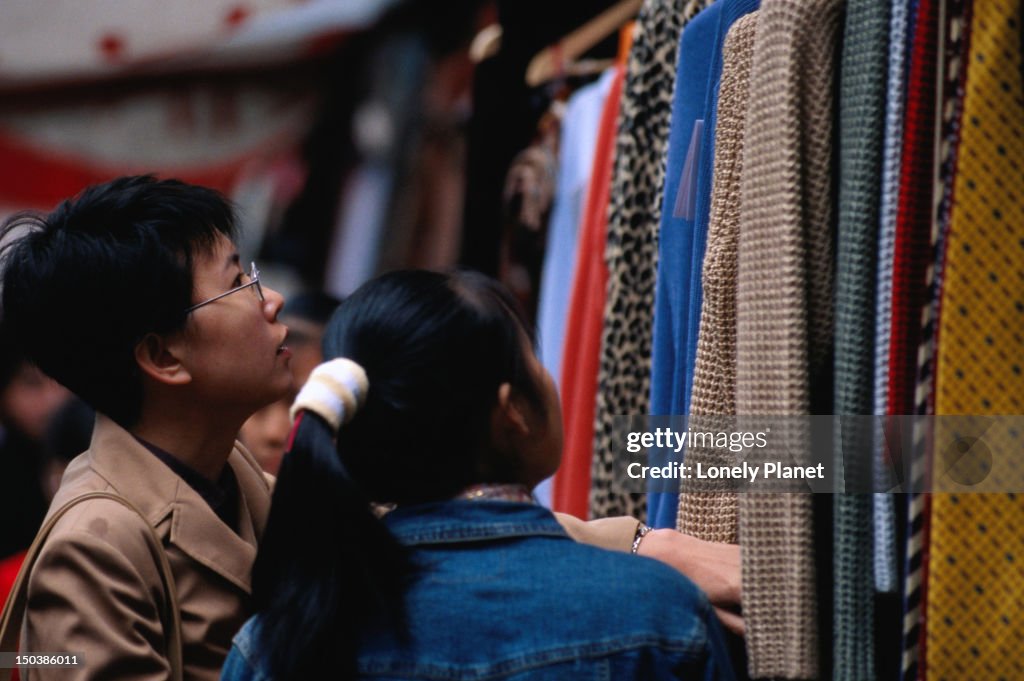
point(486, 44)
point(553, 61)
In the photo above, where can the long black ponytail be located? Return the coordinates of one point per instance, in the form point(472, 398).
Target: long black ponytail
point(435, 348)
point(326, 566)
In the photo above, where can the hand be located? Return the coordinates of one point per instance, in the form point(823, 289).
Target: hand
point(714, 568)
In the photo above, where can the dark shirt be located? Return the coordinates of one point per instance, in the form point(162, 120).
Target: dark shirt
point(222, 496)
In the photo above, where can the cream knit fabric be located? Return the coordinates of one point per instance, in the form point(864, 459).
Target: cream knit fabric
point(784, 312)
point(705, 509)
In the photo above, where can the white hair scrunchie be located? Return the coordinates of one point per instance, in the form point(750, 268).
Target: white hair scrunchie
point(334, 391)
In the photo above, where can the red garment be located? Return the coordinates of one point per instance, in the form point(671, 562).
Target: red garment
point(910, 292)
point(913, 250)
point(912, 255)
point(8, 573)
point(9, 568)
point(582, 350)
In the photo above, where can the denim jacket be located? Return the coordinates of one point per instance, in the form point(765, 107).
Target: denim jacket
point(504, 593)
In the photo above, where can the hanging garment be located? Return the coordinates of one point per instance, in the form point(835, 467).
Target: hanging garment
point(912, 254)
point(862, 82)
point(505, 115)
point(954, 29)
point(784, 311)
point(631, 252)
point(888, 517)
point(575, 161)
point(912, 251)
point(706, 510)
point(684, 222)
point(884, 521)
point(976, 591)
point(675, 238)
point(571, 486)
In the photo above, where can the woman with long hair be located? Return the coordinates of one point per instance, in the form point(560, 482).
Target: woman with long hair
point(403, 542)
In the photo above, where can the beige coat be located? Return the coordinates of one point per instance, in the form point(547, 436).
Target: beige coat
point(96, 590)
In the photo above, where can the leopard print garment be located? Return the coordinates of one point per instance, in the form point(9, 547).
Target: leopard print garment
point(634, 214)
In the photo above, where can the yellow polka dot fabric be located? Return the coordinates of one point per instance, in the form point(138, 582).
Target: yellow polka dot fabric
point(975, 609)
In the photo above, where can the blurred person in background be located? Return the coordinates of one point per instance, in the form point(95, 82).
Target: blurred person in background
point(67, 435)
point(28, 402)
point(28, 399)
point(265, 434)
point(133, 296)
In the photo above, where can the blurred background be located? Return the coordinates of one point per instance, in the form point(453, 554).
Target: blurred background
point(354, 136)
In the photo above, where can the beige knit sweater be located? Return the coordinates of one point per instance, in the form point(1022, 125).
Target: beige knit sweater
point(784, 315)
point(706, 509)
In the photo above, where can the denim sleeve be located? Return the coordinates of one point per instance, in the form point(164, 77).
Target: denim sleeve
point(719, 666)
point(238, 668)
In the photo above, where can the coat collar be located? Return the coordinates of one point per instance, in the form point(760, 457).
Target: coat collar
point(135, 473)
point(459, 521)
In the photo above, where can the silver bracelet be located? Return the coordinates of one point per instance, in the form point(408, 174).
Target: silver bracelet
point(641, 532)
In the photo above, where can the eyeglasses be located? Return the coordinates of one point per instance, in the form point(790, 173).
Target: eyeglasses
point(254, 281)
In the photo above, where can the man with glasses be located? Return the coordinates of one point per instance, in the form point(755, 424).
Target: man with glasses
point(132, 295)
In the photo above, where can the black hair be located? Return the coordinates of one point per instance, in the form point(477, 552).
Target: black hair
point(435, 348)
point(11, 357)
point(84, 284)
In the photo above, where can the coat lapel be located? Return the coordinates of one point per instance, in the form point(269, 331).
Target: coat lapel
point(195, 529)
point(201, 535)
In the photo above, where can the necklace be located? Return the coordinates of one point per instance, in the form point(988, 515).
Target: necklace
point(492, 492)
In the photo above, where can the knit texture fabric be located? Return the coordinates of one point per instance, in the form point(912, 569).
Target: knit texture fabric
point(706, 510)
point(634, 213)
point(784, 311)
point(884, 536)
point(862, 83)
point(912, 250)
point(976, 591)
point(912, 254)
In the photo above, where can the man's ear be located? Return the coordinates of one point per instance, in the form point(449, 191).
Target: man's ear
point(160, 359)
point(509, 411)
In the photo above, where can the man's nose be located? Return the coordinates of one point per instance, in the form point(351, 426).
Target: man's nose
point(272, 303)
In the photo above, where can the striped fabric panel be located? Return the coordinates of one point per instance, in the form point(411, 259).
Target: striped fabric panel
point(952, 44)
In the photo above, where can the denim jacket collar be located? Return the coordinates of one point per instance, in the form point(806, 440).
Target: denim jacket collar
point(457, 521)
